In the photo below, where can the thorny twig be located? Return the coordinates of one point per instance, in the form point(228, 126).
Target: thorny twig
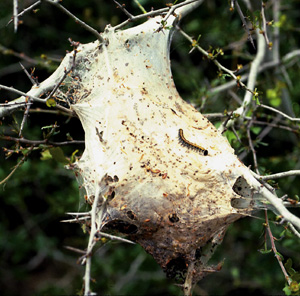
point(122, 7)
point(251, 146)
point(33, 81)
point(215, 61)
point(15, 15)
point(275, 202)
point(270, 124)
point(27, 107)
point(113, 237)
point(293, 229)
point(11, 89)
point(241, 111)
point(75, 220)
point(261, 68)
point(264, 25)
point(10, 107)
point(66, 72)
point(279, 112)
point(74, 249)
point(279, 175)
point(153, 13)
point(76, 19)
point(243, 18)
point(39, 142)
point(267, 225)
point(173, 8)
point(188, 283)
point(276, 30)
point(16, 166)
point(26, 10)
point(66, 11)
point(95, 227)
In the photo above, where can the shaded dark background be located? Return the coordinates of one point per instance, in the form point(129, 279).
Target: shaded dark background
point(37, 196)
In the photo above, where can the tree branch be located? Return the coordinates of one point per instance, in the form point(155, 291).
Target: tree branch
point(26, 10)
point(241, 111)
point(76, 19)
point(39, 142)
point(274, 201)
point(279, 112)
point(184, 11)
point(278, 175)
point(275, 250)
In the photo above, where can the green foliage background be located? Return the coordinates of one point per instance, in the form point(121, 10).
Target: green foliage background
point(41, 191)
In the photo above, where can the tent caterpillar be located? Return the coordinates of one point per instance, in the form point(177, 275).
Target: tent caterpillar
point(187, 143)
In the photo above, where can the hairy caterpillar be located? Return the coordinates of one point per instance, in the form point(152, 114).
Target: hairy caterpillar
point(187, 143)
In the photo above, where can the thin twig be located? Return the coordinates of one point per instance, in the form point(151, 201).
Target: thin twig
point(252, 146)
point(66, 72)
point(188, 283)
point(39, 142)
point(293, 229)
point(274, 200)
point(10, 107)
point(214, 115)
point(27, 108)
point(140, 6)
point(79, 213)
point(113, 237)
point(276, 30)
point(34, 82)
point(264, 24)
point(245, 26)
point(261, 49)
point(35, 99)
point(176, 6)
point(153, 13)
point(15, 15)
point(215, 61)
point(76, 19)
point(75, 220)
point(75, 250)
point(92, 241)
point(263, 67)
point(278, 175)
point(122, 7)
point(242, 110)
point(279, 112)
point(17, 165)
point(270, 124)
point(26, 10)
point(141, 16)
point(275, 250)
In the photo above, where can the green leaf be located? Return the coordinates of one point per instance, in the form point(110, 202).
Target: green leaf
point(288, 266)
point(58, 154)
point(46, 155)
point(294, 287)
point(256, 130)
point(287, 291)
point(73, 156)
point(265, 251)
point(273, 96)
point(230, 136)
point(51, 102)
point(281, 257)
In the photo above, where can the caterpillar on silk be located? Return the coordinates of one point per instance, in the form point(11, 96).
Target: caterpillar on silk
point(189, 144)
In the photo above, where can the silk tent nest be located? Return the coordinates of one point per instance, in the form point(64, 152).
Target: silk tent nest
point(161, 172)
